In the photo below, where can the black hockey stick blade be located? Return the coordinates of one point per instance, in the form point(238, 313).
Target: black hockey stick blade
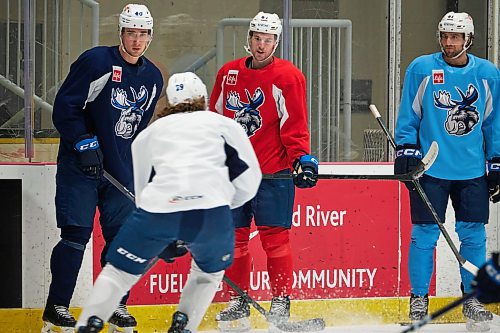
point(427, 319)
point(307, 325)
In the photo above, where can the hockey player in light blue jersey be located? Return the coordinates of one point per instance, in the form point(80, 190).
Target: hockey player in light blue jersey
point(450, 97)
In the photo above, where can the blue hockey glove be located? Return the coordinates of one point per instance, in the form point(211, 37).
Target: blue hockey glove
point(305, 171)
point(487, 281)
point(89, 155)
point(408, 157)
point(494, 179)
point(172, 251)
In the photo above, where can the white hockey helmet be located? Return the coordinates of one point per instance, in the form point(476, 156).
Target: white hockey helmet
point(136, 17)
point(184, 88)
point(457, 22)
point(266, 23)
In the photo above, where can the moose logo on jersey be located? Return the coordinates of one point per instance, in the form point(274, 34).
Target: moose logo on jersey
point(462, 115)
point(131, 110)
point(246, 114)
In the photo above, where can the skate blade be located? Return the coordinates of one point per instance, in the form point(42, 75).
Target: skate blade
point(239, 325)
point(477, 326)
point(51, 328)
point(117, 329)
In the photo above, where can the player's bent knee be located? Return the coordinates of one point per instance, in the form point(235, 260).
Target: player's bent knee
point(75, 237)
point(275, 241)
point(242, 236)
point(201, 276)
point(471, 233)
point(425, 236)
point(123, 280)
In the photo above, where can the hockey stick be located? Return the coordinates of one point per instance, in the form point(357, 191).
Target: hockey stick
point(424, 164)
point(430, 317)
point(308, 325)
point(467, 265)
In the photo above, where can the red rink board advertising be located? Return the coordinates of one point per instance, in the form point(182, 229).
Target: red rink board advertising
point(345, 240)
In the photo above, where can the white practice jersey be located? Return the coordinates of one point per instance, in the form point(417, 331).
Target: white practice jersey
point(201, 160)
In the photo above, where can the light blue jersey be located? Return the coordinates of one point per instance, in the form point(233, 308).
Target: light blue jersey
point(458, 107)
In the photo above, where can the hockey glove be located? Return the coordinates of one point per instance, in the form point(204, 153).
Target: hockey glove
point(173, 250)
point(487, 281)
point(89, 155)
point(494, 179)
point(408, 157)
point(305, 171)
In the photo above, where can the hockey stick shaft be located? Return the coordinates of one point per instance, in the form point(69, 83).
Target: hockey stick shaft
point(406, 177)
point(314, 324)
point(427, 319)
point(467, 265)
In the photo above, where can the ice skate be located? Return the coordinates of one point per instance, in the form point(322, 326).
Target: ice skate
point(94, 324)
point(419, 307)
point(57, 316)
point(280, 309)
point(235, 317)
point(179, 322)
point(477, 317)
point(122, 320)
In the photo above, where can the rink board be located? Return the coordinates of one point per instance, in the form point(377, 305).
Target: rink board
point(349, 240)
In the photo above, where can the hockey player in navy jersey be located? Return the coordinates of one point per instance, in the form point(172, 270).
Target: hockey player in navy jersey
point(267, 97)
point(107, 98)
point(205, 166)
point(451, 97)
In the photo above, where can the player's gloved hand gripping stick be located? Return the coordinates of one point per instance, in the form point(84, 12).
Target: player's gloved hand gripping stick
point(307, 325)
point(462, 261)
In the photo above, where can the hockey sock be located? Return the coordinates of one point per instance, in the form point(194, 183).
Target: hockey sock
point(65, 263)
point(276, 244)
point(421, 256)
point(239, 271)
point(197, 295)
point(110, 286)
point(472, 236)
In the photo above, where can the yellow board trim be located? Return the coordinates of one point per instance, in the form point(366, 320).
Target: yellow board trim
point(339, 312)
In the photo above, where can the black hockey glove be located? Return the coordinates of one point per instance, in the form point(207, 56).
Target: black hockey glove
point(494, 179)
point(305, 171)
point(408, 157)
point(173, 250)
point(89, 155)
point(487, 281)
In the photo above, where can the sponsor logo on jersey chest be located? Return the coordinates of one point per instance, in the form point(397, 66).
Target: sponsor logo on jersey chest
point(438, 76)
point(117, 74)
point(232, 77)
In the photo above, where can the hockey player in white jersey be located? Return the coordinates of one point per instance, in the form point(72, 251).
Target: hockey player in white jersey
point(204, 166)
point(451, 97)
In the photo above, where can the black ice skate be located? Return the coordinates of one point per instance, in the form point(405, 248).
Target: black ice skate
point(57, 316)
point(122, 320)
point(280, 309)
point(235, 317)
point(477, 317)
point(179, 322)
point(94, 324)
point(419, 306)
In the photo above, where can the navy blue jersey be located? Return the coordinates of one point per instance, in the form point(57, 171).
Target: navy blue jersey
point(110, 98)
point(456, 106)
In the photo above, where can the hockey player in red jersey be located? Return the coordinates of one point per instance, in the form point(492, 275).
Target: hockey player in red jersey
point(267, 96)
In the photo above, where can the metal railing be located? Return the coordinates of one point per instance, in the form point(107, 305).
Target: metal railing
point(328, 75)
point(50, 44)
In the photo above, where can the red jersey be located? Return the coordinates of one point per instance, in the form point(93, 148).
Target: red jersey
point(270, 104)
